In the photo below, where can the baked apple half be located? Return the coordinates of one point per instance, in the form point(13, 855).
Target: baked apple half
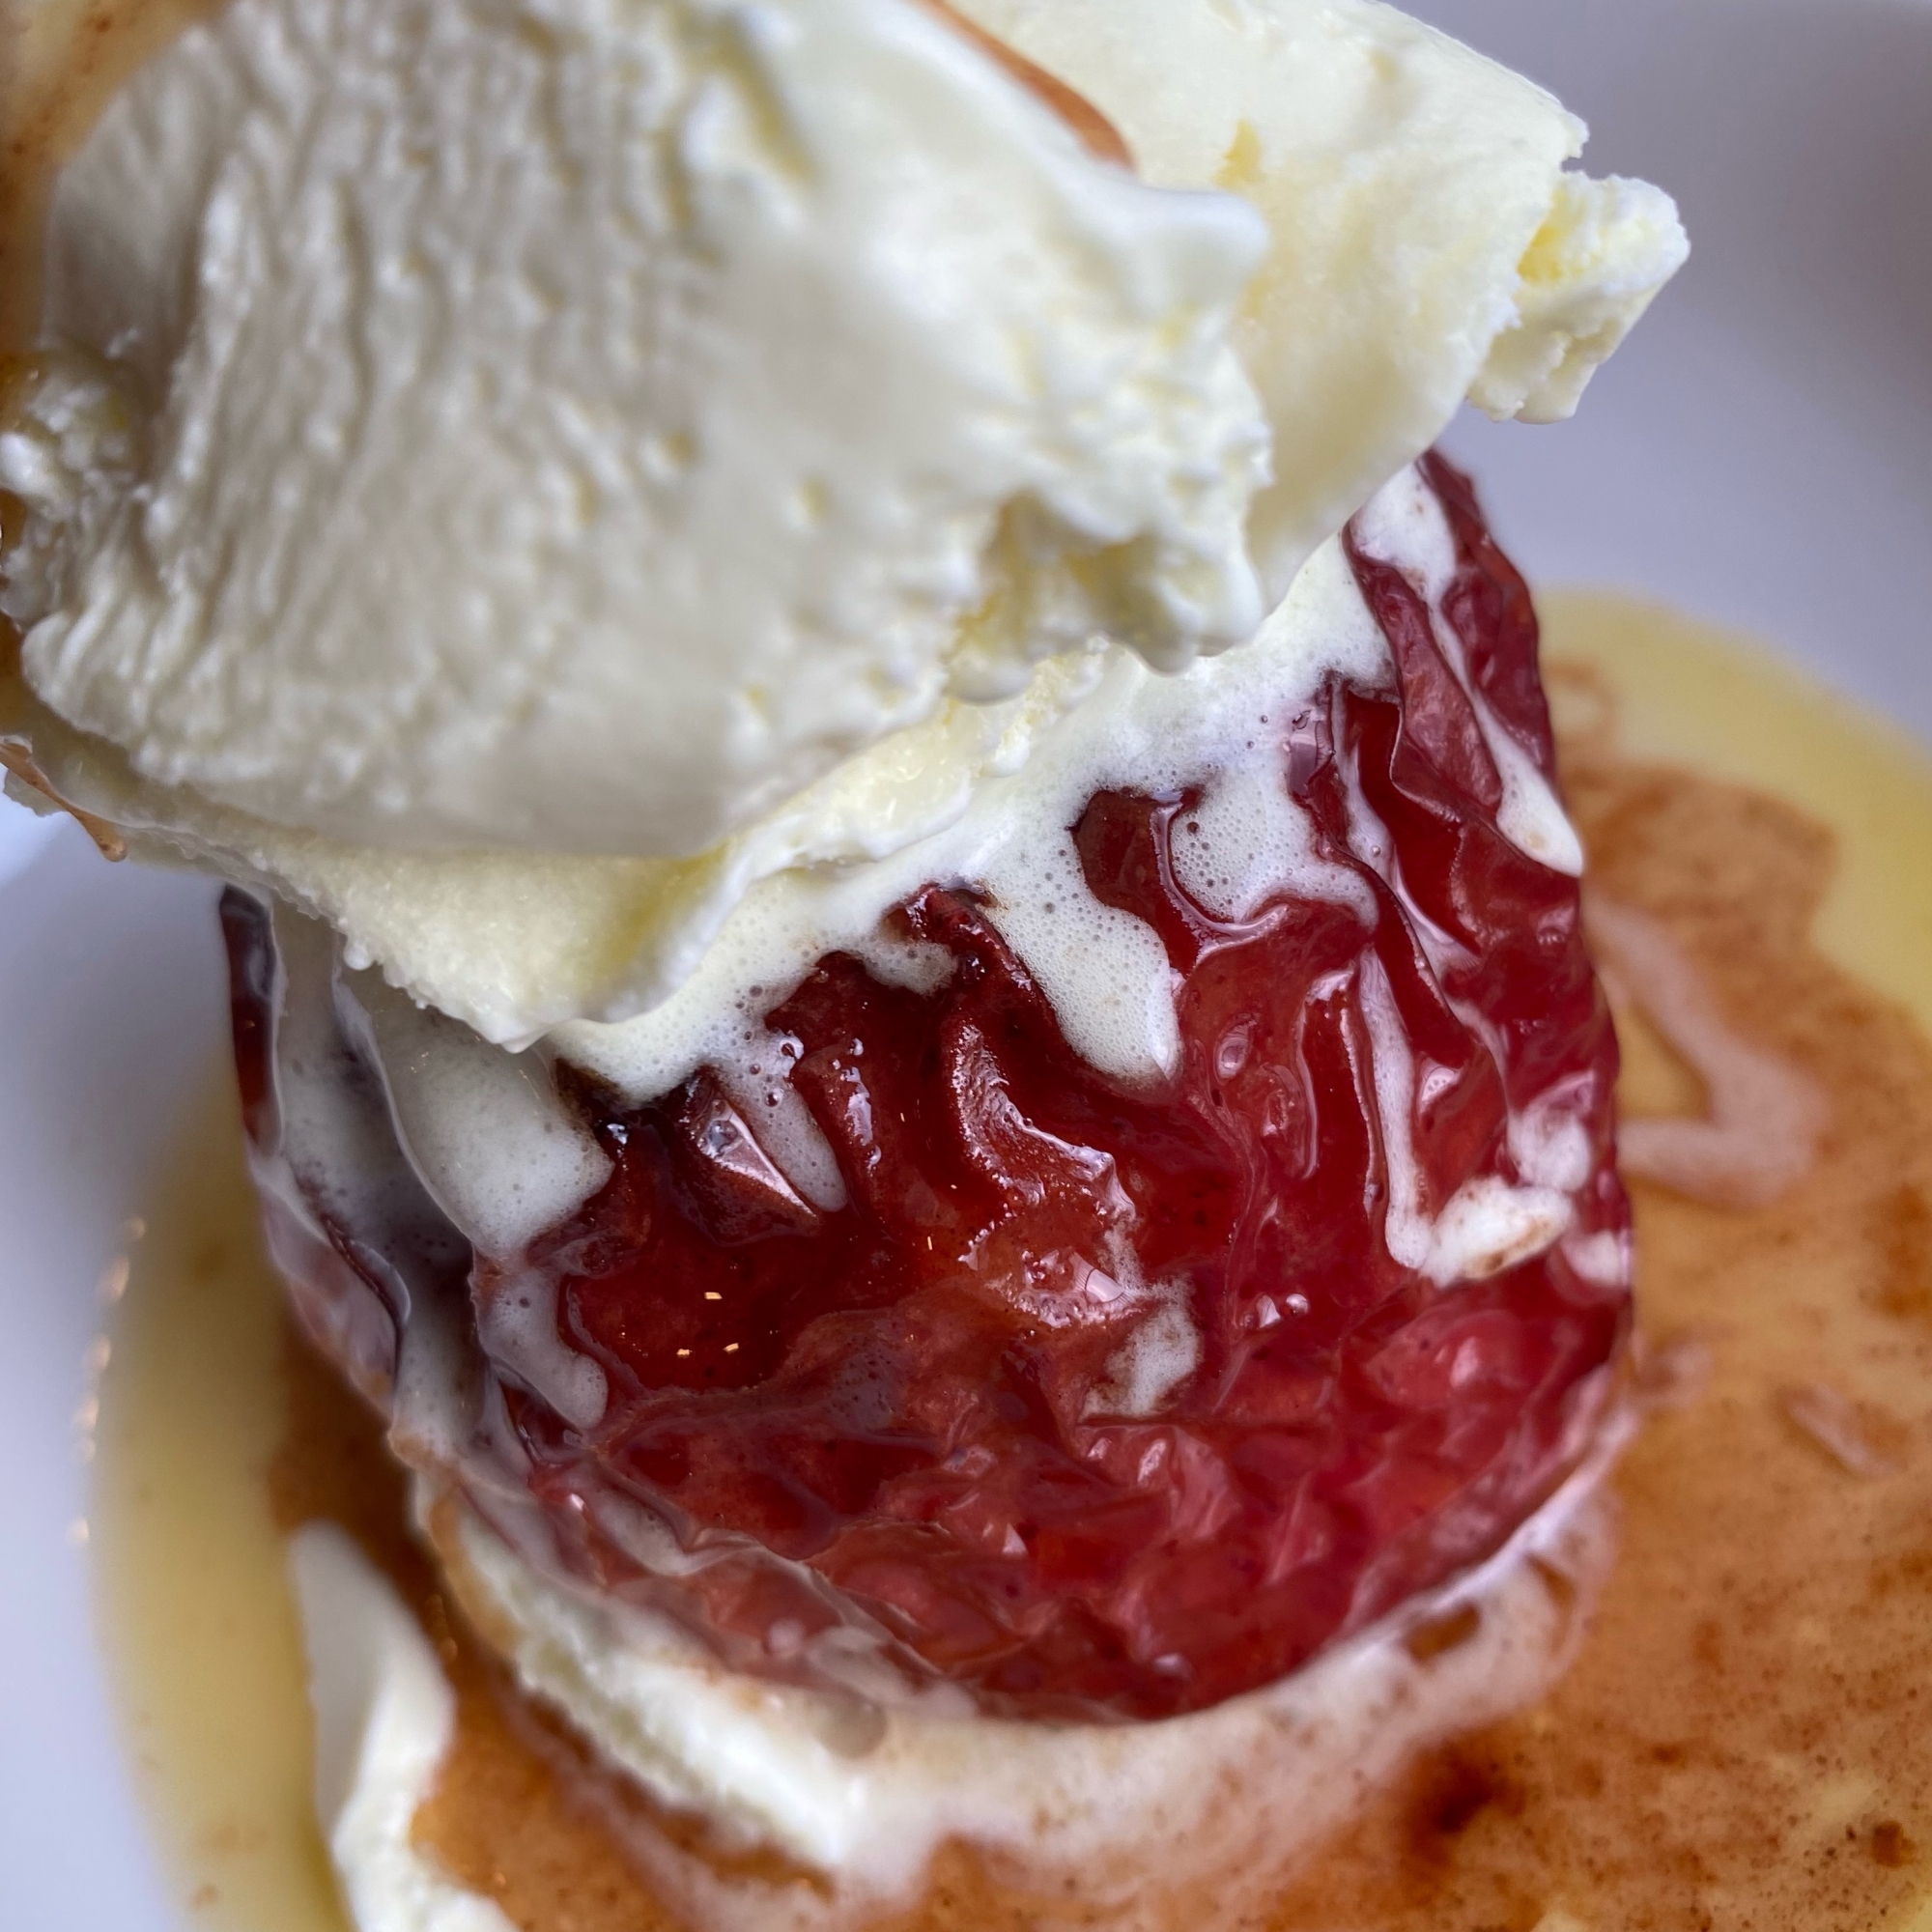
point(1072, 1396)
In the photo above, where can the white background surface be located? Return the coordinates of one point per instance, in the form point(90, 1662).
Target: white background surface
point(1760, 453)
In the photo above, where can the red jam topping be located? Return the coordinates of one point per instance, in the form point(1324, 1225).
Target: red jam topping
point(1107, 1402)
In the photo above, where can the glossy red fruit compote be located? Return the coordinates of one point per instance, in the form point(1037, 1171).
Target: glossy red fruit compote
point(1093, 1401)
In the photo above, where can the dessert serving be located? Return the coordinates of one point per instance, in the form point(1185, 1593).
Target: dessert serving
point(1064, 1402)
point(1735, 1739)
point(908, 976)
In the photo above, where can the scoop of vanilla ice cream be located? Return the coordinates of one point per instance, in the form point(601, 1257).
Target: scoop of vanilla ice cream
point(579, 424)
point(1424, 243)
point(364, 540)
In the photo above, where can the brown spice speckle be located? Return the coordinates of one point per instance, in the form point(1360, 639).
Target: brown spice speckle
point(1891, 1847)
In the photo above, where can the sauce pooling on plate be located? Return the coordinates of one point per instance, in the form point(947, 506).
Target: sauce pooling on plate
point(1741, 1740)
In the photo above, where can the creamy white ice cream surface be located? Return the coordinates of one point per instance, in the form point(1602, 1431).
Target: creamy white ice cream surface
point(514, 515)
point(583, 423)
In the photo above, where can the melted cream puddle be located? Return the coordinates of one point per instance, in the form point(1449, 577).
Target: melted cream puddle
point(194, 1612)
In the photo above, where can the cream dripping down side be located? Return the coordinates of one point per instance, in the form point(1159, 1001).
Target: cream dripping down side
point(675, 496)
point(385, 1715)
point(504, 1158)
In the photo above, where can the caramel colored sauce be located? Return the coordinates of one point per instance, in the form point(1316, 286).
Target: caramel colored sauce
point(1745, 1741)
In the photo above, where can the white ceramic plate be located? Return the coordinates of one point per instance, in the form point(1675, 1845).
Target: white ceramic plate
point(1760, 454)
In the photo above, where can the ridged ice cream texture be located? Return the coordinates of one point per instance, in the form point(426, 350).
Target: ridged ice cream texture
point(512, 477)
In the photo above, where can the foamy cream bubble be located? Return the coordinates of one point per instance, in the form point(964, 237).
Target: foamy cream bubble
point(1487, 1226)
point(1105, 972)
point(1247, 836)
point(1160, 1352)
